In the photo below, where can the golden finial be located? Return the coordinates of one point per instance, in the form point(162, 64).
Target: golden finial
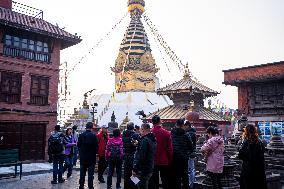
point(136, 4)
point(186, 74)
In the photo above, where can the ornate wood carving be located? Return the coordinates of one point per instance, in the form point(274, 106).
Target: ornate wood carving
point(267, 98)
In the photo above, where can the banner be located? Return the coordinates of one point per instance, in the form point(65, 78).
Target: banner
point(268, 129)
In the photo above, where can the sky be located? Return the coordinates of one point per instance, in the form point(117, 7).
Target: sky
point(211, 35)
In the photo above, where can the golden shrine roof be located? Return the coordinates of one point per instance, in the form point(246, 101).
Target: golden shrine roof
point(186, 85)
point(175, 112)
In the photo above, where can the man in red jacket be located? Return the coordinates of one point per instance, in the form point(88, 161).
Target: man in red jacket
point(163, 155)
point(102, 164)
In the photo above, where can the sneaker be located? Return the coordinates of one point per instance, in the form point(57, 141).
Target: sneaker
point(61, 181)
point(53, 182)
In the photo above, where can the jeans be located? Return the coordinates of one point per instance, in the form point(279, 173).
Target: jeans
point(58, 167)
point(144, 181)
point(191, 172)
point(216, 179)
point(75, 155)
point(128, 166)
point(118, 167)
point(83, 169)
point(164, 173)
point(102, 165)
point(68, 165)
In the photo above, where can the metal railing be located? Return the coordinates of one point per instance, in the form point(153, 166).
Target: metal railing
point(27, 10)
point(39, 100)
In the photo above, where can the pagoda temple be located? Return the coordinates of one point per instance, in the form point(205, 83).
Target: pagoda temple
point(135, 76)
point(188, 96)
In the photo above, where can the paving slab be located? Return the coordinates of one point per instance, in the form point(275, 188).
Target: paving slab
point(42, 181)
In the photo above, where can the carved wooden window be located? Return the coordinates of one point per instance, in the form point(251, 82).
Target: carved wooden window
point(268, 98)
point(23, 47)
point(39, 90)
point(10, 89)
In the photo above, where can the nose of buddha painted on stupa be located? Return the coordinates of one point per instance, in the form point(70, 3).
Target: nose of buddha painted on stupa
point(136, 4)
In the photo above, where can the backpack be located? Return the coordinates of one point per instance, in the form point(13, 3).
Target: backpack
point(55, 144)
point(115, 154)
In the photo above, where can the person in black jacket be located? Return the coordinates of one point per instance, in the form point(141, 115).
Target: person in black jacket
point(129, 137)
point(88, 148)
point(143, 164)
point(252, 154)
point(191, 131)
point(182, 146)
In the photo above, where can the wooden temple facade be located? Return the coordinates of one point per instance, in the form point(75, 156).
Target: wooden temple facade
point(260, 95)
point(188, 95)
point(260, 90)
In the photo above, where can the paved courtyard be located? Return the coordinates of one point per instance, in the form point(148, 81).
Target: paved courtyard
point(42, 181)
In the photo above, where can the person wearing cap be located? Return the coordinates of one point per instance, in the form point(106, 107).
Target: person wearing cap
point(163, 156)
point(102, 164)
point(88, 148)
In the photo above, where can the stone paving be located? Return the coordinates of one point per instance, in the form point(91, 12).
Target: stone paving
point(42, 181)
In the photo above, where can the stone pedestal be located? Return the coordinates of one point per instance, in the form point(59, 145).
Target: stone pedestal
point(228, 179)
point(274, 159)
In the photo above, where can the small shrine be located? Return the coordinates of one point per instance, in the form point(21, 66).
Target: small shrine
point(188, 96)
point(112, 124)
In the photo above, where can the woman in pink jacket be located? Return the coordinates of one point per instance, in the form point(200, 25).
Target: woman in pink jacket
point(213, 151)
point(114, 156)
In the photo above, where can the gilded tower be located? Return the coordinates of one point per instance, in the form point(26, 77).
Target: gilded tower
point(135, 67)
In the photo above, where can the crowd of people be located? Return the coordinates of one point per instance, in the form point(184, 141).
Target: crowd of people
point(151, 153)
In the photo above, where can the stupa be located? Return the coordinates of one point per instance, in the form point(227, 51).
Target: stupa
point(135, 76)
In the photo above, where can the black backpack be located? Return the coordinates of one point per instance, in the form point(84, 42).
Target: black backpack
point(115, 154)
point(55, 145)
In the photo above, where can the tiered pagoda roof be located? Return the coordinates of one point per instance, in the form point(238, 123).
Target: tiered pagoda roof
point(174, 112)
point(187, 85)
point(135, 41)
point(187, 95)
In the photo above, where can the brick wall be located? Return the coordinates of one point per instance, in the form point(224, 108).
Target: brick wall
point(265, 70)
point(49, 120)
point(28, 68)
point(243, 98)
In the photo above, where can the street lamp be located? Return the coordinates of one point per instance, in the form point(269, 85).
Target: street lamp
point(94, 106)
